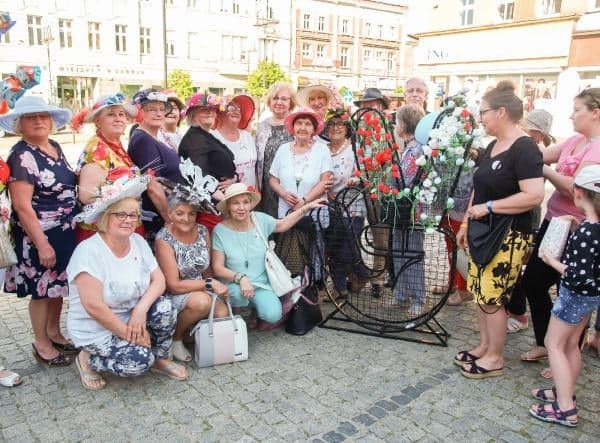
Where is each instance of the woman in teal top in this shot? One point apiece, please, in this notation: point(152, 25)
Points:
point(238, 252)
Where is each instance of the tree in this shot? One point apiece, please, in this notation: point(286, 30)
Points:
point(399, 90)
point(181, 82)
point(263, 77)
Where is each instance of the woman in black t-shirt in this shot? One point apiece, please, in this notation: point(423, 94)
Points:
point(508, 181)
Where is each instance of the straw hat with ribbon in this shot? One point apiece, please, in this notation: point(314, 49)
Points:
point(238, 189)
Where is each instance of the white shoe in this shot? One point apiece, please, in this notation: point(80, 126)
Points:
point(180, 352)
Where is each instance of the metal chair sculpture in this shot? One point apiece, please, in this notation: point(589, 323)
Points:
point(403, 240)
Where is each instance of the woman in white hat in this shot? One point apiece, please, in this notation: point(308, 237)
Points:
point(319, 98)
point(104, 157)
point(42, 191)
point(117, 312)
point(238, 252)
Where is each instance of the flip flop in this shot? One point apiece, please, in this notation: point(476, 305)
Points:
point(513, 325)
point(168, 371)
point(11, 380)
point(477, 372)
point(87, 375)
point(533, 356)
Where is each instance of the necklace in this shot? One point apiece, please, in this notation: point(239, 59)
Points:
point(299, 174)
point(240, 233)
point(336, 150)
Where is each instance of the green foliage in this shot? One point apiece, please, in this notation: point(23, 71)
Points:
point(263, 77)
point(181, 82)
point(399, 90)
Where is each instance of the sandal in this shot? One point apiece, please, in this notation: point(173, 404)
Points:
point(66, 348)
point(540, 394)
point(476, 372)
point(513, 325)
point(11, 379)
point(169, 370)
point(537, 353)
point(180, 352)
point(591, 345)
point(60, 360)
point(555, 415)
point(87, 376)
point(546, 373)
point(464, 357)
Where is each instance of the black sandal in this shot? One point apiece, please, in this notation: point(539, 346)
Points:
point(60, 360)
point(464, 357)
point(555, 415)
point(540, 394)
point(66, 348)
point(477, 372)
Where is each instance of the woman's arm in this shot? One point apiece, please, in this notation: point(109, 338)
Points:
point(562, 183)
point(165, 255)
point(159, 199)
point(91, 176)
point(319, 189)
point(531, 195)
point(21, 194)
point(289, 197)
point(220, 271)
point(295, 216)
point(551, 154)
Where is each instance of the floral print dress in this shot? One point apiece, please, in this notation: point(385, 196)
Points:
point(54, 203)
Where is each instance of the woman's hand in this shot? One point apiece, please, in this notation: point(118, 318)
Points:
point(225, 183)
point(220, 289)
point(291, 198)
point(573, 220)
point(47, 255)
point(246, 288)
point(461, 237)
point(478, 211)
point(136, 328)
point(329, 182)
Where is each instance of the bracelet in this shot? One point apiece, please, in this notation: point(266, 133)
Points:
point(208, 284)
point(488, 205)
point(464, 225)
point(238, 278)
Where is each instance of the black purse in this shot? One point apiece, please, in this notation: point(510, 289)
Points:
point(306, 313)
point(485, 236)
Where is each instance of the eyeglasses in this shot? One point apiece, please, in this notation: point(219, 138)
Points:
point(281, 99)
point(122, 216)
point(232, 109)
point(159, 110)
point(412, 90)
point(338, 124)
point(483, 111)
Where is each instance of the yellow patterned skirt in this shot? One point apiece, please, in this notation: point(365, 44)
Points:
point(493, 283)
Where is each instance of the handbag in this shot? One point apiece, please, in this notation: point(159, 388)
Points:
point(306, 313)
point(280, 278)
point(220, 340)
point(7, 252)
point(485, 236)
point(556, 236)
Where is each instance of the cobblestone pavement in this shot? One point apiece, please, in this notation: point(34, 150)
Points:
point(327, 386)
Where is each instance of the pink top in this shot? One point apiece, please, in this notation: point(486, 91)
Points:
point(567, 164)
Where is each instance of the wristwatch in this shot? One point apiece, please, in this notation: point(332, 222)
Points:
point(488, 205)
point(238, 277)
point(208, 284)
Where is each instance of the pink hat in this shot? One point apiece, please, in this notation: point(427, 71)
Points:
point(304, 112)
point(204, 100)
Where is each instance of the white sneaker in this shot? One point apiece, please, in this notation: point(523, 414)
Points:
point(180, 352)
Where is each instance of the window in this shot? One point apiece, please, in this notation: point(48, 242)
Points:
point(264, 9)
point(5, 38)
point(549, 7)
point(320, 53)
point(597, 4)
point(344, 62)
point(145, 41)
point(389, 64)
point(65, 35)
point(233, 48)
point(194, 45)
point(306, 22)
point(235, 7)
point(345, 26)
point(366, 56)
point(506, 9)
point(367, 29)
point(466, 13)
point(306, 50)
point(121, 38)
point(192, 3)
point(34, 28)
point(393, 33)
point(171, 48)
point(321, 25)
point(94, 36)
point(380, 31)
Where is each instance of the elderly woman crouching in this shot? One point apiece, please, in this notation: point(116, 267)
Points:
point(182, 251)
point(238, 255)
point(117, 314)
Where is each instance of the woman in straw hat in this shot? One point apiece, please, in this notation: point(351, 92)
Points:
point(42, 191)
point(238, 254)
point(117, 313)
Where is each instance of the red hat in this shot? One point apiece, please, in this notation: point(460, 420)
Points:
point(204, 100)
point(246, 105)
point(304, 112)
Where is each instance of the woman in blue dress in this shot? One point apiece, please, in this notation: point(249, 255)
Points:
point(42, 191)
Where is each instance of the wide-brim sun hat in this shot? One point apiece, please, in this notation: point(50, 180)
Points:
point(238, 189)
point(304, 93)
point(589, 178)
point(34, 105)
point(247, 107)
point(424, 127)
point(304, 112)
point(373, 94)
point(107, 101)
point(110, 193)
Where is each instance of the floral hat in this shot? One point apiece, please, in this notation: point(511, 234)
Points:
point(247, 107)
point(107, 101)
point(341, 113)
point(151, 95)
point(199, 189)
point(238, 189)
point(204, 100)
point(110, 193)
point(34, 105)
point(304, 112)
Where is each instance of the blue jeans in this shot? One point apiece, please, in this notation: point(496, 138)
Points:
point(572, 308)
point(126, 359)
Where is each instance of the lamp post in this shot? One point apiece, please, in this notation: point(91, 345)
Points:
point(47, 39)
point(164, 17)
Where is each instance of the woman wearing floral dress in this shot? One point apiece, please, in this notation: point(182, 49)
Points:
point(42, 191)
point(270, 135)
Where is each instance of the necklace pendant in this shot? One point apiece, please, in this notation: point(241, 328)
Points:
point(246, 264)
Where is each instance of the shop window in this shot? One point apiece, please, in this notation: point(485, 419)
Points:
point(34, 28)
point(94, 36)
point(145, 41)
point(121, 38)
point(466, 12)
point(506, 9)
point(550, 7)
point(65, 34)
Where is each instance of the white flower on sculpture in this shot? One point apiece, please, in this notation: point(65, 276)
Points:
point(421, 161)
point(459, 161)
point(437, 180)
point(427, 183)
